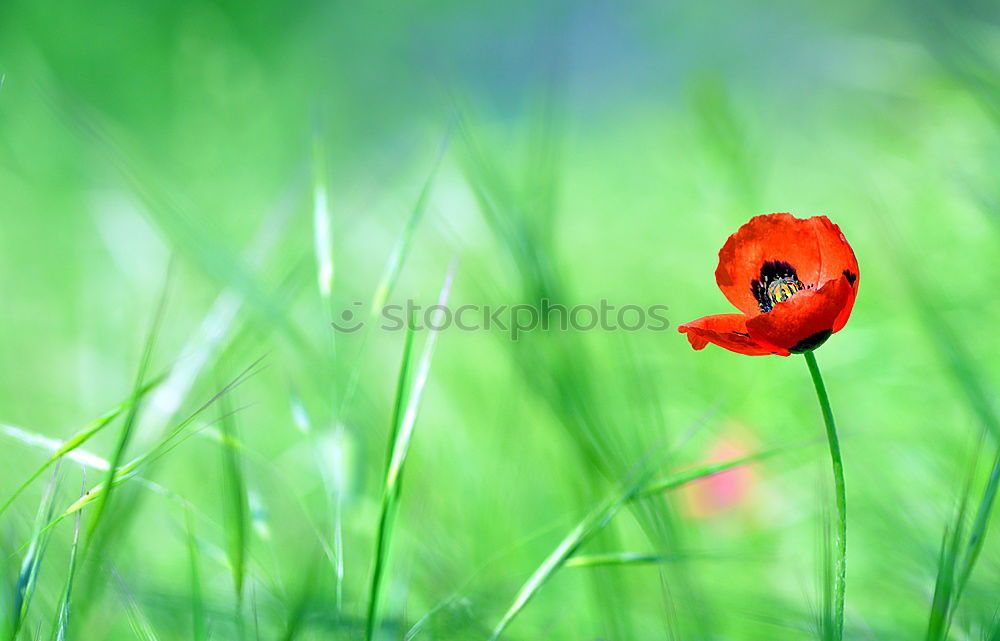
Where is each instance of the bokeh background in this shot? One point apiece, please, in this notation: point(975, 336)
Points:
point(267, 164)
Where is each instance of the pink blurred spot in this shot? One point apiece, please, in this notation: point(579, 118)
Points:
point(721, 492)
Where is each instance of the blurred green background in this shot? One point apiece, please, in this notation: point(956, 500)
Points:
point(570, 151)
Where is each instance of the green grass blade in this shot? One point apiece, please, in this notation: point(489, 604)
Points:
point(214, 329)
point(600, 517)
point(977, 535)
point(62, 623)
point(197, 601)
point(137, 620)
point(131, 418)
point(576, 538)
point(322, 223)
point(405, 410)
point(237, 504)
point(944, 587)
point(572, 542)
point(171, 440)
point(78, 455)
point(385, 514)
point(404, 434)
point(701, 471)
point(394, 267)
point(189, 231)
point(323, 247)
point(32, 562)
point(299, 610)
point(994, 631)
point(60, 450)
point(620, 558)
point(976, 390)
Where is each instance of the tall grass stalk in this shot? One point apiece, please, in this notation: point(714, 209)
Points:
point(322, 224)
point(62, 623)
point(125, 435)
point(404, 420)
point(236, 506)
point(394, 267)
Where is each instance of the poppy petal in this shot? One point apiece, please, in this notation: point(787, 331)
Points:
point(728, 331)
point(805, 320)
point(851, 274)
point(814, 247)
point(846, 312)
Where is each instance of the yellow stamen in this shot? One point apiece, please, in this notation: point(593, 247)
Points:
point(782, 289)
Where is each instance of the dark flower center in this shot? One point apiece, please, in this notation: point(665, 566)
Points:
point(778, 282)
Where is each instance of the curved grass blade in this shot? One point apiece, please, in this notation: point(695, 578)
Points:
point(65, 448)
point(84, 458)
point(708, 469)
point(600, 517)
point(171, 440)
point(404, 419)
point(587, 528)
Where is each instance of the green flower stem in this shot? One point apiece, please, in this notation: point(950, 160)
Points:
point(840, 574)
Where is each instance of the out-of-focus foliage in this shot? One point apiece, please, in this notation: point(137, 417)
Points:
point(565, 151)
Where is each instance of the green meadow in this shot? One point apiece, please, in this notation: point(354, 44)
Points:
point(223, 415)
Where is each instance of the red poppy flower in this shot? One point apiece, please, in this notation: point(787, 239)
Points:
point(794, 280)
